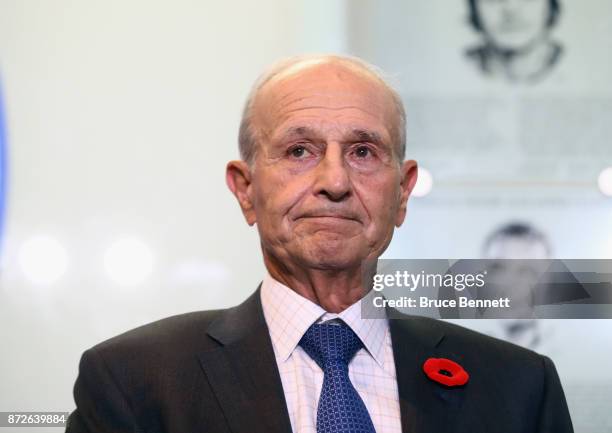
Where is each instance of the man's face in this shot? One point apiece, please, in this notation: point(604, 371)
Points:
point(327, 186)
point(517, 267)
point(514, 25)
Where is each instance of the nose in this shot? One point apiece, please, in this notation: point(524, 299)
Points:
point(332, 178)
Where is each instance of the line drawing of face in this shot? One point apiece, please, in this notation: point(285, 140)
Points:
point(514, 25)
point(518, 255)
point(327, 185)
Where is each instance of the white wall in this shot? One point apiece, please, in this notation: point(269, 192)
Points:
point(121, 116)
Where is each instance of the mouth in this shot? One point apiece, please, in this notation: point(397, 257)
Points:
point(330, 217)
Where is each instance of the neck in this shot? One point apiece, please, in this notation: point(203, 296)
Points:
point(333, 289)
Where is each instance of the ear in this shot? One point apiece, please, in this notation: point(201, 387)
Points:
point(238, 178)
point(409, 172)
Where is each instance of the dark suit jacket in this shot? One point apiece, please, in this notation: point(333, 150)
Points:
point(215, 371)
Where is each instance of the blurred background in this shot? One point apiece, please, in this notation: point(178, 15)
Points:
point(117, 119)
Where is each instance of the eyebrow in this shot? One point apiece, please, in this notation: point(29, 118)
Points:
point(297, 131)
point(367, 136)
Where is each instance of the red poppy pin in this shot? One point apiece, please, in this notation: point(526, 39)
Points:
point(445, 371)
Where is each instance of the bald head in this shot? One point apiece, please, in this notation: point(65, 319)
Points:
point(327, 70)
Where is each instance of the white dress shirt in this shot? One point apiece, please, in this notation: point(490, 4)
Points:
point(372, 370)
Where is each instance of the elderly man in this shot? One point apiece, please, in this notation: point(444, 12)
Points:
point(324, 178)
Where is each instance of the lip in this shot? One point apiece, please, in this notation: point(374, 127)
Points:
point(327, 216)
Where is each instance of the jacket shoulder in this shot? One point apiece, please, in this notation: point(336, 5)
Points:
point(171, 335)
point(461, 338)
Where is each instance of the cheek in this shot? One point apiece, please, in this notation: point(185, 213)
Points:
point(277, 195)
point(381, 199)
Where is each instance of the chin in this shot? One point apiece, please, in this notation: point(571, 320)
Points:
point(334, 255)
point(332, 263)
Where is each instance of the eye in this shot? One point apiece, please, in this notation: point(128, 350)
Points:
point(363, 151)
point(298, 152)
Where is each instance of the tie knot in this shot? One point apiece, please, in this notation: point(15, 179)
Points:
point(330, 342)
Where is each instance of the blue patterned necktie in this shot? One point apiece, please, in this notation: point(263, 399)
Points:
point(340, 410)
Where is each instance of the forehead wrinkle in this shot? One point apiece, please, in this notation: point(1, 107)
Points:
point(376, 94)
point(340, 108)
point(372, 109)
point(357, 129)
point(310, 92)
point(349, 133)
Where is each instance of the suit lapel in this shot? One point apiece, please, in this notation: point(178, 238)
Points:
point(243, 372)
point(244, 376)
point(425, 406)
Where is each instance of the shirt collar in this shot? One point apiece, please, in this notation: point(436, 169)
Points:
point(289, 315)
